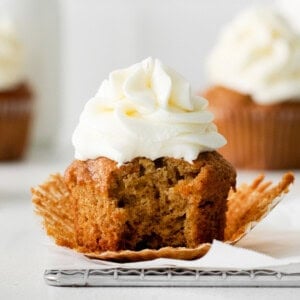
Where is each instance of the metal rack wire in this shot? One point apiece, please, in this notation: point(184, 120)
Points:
point(171, 277)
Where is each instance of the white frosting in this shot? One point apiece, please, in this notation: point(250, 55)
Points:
point(145, 110)
point(11, 56)
point(258, 54)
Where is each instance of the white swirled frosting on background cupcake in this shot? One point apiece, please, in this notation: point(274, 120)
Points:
point(11, 56)
point(258, 53)
point(146, 110)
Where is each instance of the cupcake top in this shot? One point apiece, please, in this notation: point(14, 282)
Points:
point(145, 110)
point(11, 56)
point(258, 54)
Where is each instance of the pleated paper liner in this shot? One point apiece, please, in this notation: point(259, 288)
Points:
point(246, 208)
point(260, 137)
point(15, 121)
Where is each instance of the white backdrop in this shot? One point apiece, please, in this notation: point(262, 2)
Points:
point(37, 24)
point(73, 45)
point(100, 36)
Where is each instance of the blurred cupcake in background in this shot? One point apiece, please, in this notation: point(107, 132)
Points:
point(254, 72)
point(15, 95)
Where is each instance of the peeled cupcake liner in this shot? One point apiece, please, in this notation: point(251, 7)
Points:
point(247, 206)
point(260, 138)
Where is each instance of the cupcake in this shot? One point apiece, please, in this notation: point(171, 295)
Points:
point(147, 181)
point(15, 95)
point(146, 172)
point(254, 93)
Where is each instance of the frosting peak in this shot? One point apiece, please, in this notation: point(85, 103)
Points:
point(258, 53)
point(11, 56)
point(145, 110)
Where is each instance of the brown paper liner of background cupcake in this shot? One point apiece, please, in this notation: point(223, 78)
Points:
point(247, 206)
point(260, 137)
point(15, 121)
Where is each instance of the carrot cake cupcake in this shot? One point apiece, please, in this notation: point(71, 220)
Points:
point(147, 181)
point(146, 173)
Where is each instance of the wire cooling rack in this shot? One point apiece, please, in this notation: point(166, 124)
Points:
point(171, 277)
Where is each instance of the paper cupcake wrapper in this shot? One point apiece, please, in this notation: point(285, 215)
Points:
point(15, 118)
point(247, 206)
point(15, 107)
point(260, 138)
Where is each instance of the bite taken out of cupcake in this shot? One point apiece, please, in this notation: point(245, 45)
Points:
point(15, 94)
point(254, 93)
point(145, 152)
point(147, 181)
point(146, 173)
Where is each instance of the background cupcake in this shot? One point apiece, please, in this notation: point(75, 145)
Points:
point(15, 95)
point(254, 71)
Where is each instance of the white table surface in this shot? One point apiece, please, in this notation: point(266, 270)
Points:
point(23, 256)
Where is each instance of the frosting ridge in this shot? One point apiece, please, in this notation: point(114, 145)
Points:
point(11, 56)
point(258, 53)
point(145, 110)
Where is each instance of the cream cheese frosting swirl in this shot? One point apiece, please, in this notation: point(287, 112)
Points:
point(11, 56)
point(258, 53)
point(145, 110)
